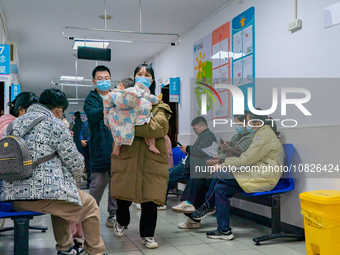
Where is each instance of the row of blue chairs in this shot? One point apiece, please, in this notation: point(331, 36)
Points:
point(268, 198)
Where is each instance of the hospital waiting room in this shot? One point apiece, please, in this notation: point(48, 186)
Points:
point(169, 127)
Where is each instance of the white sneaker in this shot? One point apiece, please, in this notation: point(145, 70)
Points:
point(118, 229)
point(189, 223)
point(138, 206)
point(110, 221)
point(162, 207)
point(184, 207)
point(149, 242)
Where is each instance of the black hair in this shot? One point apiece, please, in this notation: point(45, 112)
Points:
point(77, 114)
point(23, 100)
point(127, 83)
point(266, 121)
point(54, 98)
point(241, 117)
point(199, 120)
point(151, 72)
point(100, 69)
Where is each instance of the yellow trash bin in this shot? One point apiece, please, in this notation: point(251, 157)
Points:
point(321, 210)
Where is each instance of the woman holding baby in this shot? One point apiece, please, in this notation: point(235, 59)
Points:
point(138, 174)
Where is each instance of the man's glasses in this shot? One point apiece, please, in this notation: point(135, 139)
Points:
point(195, 128)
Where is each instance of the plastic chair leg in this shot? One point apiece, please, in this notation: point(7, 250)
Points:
point(42, 228)
point(276, 223)
point(258, 240)
point(21, 236)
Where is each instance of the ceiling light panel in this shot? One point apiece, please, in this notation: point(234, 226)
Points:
point(91, 43)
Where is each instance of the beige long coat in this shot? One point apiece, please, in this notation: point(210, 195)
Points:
point(261, 162)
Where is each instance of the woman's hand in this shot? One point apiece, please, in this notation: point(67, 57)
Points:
point(224, 147)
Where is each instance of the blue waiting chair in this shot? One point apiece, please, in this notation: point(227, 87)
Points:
point(21, 226)
point(272, 198)
point(177, 155)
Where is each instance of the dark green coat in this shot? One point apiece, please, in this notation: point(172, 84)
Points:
point(101, 137)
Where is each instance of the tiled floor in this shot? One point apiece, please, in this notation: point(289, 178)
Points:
point(171, 239)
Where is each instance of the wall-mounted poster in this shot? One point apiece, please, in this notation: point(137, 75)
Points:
point(243, 31)
point(225, 56)
point(202, 75)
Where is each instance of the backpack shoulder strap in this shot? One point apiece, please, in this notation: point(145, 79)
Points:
point(9, 128)
point(44, 159)
point(34, 123)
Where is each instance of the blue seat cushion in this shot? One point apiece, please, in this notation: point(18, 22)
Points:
point(7, 211)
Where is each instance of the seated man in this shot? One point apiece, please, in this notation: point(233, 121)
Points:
point(264, 151)
point(238, 144)
point(196, 157)
point(52, 189)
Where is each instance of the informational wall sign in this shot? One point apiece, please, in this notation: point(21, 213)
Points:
point(225, 56)
point(243, 32)
point(4, 60)
point(174, 90)
point(15, 90)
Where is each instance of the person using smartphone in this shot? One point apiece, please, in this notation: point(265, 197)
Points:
point(196, 157)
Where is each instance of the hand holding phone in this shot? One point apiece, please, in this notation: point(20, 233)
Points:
point(179, 144)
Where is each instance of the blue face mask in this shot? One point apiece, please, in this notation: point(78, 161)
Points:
point(144, 80)
point(239, 129)
point(103, 85)
point(252, 131)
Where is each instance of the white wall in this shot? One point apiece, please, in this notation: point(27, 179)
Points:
point(312, 52)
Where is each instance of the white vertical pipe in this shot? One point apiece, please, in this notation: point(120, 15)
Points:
point(140, 16)
point(105, 25)
point(296, 11)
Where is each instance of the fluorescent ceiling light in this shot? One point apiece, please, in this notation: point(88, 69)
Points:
point(71, 78)
point(76, 85)
point(90, 43)
point(73, 102)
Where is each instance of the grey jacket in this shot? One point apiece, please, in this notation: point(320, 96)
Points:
point(53, 179)
point(196, 156)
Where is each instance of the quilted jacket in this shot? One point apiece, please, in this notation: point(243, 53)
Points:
point(53, 179)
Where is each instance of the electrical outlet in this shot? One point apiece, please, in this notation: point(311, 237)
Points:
point(296, 24)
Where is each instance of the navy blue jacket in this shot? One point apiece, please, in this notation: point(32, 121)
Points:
point(101, 137)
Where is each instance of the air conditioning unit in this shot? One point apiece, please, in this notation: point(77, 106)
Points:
point(13, 52)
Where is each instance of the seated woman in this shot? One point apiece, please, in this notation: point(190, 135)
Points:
point(264, 151)
point(17, 108)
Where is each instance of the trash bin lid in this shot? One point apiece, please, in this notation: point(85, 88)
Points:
point(322, 196)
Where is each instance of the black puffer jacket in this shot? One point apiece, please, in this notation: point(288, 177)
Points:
point(101, 137)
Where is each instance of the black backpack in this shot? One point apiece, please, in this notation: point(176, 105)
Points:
point(15, 161)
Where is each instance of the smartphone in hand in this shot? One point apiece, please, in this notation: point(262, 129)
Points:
point(179, 144)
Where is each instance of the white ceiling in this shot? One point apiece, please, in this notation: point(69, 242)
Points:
point(36, 26)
